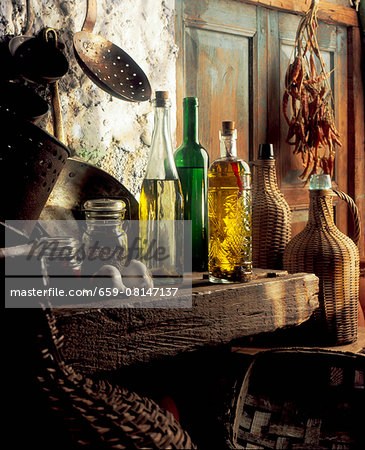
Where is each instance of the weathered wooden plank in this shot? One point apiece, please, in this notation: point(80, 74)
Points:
point(273, 84)
point(328, 12)
point(356, 135)
point(259, 82)
point(107, 339)
point(354, 347)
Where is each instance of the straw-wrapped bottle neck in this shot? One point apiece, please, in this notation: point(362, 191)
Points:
point(321, 208)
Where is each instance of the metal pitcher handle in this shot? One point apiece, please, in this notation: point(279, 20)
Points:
point(355, 214)
point(56, 105)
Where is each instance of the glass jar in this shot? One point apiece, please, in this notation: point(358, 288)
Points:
point(104, 240)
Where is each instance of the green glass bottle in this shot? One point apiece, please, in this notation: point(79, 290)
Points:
point(192, 162)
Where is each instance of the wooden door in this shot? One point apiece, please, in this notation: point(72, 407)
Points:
point(233, 57)
point(216, 40)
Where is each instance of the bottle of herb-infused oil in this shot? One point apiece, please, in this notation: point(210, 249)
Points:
point(229, 213)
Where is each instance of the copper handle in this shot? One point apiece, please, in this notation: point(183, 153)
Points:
point(90, 19)
point(30, 18)
point(354, 212)
point(56, 105)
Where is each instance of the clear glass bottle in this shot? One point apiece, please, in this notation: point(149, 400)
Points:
point(104, 240)
point(192, 163)
point(161, 204)
point(229, 213)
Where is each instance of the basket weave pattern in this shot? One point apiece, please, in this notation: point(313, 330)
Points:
point(323, 250)
point(311, 400)
point(98, 414)
point(270, 218)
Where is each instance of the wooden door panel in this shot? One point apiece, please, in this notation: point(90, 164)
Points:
point(217, 69)
point(216, 66)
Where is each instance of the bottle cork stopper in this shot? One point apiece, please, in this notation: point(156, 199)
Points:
point(161, 98)
point(162, 95)
point(228, 127)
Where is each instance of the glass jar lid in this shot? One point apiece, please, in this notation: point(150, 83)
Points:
point(104, 208)
point(104, 204)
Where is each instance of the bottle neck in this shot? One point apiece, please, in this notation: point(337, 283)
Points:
point(228, 146)
point(190, 123)
point(265, 176)
point(321, 208)
point(162, 122)
point(161, 165)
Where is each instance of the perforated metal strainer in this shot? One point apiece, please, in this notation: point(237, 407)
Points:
point(107, 65)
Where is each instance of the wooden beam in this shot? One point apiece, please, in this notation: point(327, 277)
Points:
point(356, 128)
point(355, 347)
point(110, 338)
point(328, 12)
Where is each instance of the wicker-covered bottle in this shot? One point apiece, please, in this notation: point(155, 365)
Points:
point(323, 250)
point(270, 213)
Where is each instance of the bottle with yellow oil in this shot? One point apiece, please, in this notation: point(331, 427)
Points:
point(161, 204)
point(229, 213)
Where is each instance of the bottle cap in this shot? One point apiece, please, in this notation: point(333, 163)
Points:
point(161, 97)
point(266, 151)
point(228, 128)
point(320, 181)
point(104, 204)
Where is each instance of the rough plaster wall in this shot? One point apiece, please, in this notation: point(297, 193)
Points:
point(111, 133)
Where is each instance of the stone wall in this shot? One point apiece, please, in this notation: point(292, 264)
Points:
point(111, 133)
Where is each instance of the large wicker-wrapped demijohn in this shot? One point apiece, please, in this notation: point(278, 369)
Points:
point(270, 213)
point(323, 250)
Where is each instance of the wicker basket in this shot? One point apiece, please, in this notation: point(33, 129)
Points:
point(299, 399)
point(95, 413)
point(323, 250)
point(270, 218)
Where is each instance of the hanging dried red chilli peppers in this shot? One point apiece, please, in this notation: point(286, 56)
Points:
point(312, 129)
